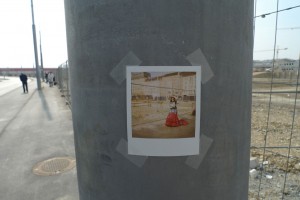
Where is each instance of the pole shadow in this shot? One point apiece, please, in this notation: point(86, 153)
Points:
point(45, 104)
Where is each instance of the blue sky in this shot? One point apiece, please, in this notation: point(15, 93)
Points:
point(286, 37)
point(16, 47)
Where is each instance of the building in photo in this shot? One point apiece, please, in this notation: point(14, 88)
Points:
point(161, 86)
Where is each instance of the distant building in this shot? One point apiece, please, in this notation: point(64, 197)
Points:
point(28, 71)
point(287, 65)
point(280, 65)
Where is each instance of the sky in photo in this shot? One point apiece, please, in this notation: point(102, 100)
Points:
point(16, 39)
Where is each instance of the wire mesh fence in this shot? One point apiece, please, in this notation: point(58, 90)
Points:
point(63, 80)
point(275, 138)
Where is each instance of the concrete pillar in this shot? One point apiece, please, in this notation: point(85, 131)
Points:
point(101, 35)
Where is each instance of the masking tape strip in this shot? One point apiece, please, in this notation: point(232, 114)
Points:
point(119, 72)
point(196, 160)
point(197, 58)
point(122, 148)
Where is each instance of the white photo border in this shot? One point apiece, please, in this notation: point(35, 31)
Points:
point(163, 146)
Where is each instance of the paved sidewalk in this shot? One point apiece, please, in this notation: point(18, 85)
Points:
point(34, 127)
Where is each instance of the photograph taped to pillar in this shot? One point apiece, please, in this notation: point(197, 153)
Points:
point(163, 110)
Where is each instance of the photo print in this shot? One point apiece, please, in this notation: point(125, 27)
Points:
point(163, 110)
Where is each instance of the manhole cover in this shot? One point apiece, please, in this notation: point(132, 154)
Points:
point(54, 166)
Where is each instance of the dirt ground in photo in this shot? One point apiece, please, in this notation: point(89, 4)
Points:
point(148, 120)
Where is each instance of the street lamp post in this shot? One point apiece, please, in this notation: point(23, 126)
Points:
point(277, 52)
point(35, 50)
point(42, 66)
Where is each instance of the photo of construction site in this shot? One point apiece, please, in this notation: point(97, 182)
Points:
point(163, 104)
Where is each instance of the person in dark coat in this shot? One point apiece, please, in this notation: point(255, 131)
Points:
point(46, 77)
point(23, 78)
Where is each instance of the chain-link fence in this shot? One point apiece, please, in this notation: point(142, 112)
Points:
point(275, 138)
point(63, 81)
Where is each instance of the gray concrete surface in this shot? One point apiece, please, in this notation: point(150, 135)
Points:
point(34, 127)
point(105, 36)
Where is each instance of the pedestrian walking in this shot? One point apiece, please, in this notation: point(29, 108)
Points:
point(50, 78)
point(46, 77)
point(23, 78)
